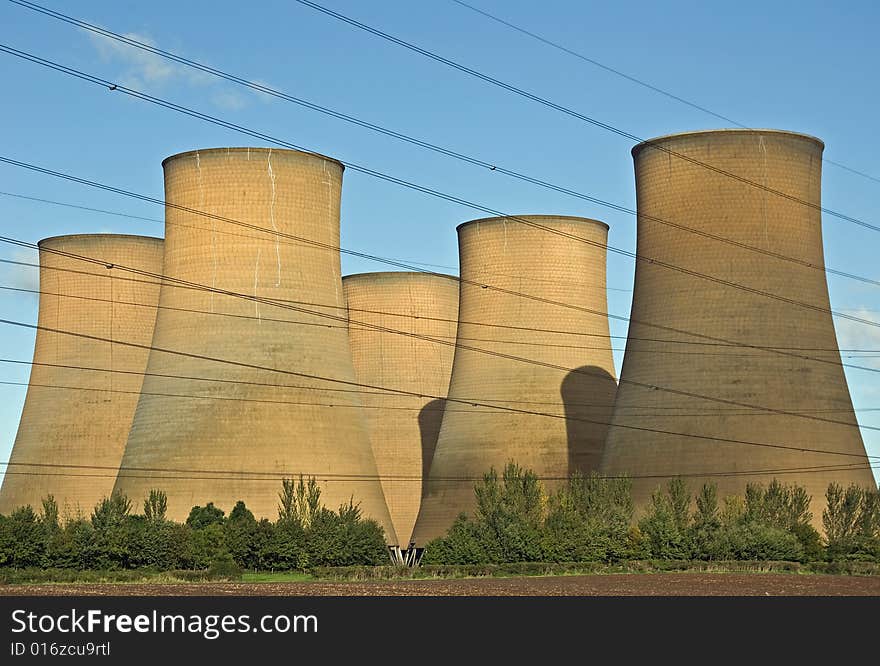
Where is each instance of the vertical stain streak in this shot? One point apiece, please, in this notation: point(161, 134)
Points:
point(213, 230)
point(272, 220)
point(337, 279)
point(763, 147)
point(256, 286)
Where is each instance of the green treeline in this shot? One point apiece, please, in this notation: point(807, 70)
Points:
point(306, 534)
point(591, 519)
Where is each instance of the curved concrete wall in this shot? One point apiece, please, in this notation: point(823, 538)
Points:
point(253, 427)
point(512, 256)
point(671, 188)
point(77, 421)
point(403, 428)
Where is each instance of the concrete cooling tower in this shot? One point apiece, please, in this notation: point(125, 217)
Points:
point(800, 375)
point(561, 367)
point(261, 399)
point(75, 420)
point(403, 428)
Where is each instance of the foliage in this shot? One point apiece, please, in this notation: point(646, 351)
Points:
point(300, 502)
point(201, 517)
point(155, 506)
point(666, 526)
point(114, 539)
point(852, 522)
point(588, 520)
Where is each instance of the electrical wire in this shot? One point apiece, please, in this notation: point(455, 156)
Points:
point(617, 72)
point(651, 144)
point(448, 399)
point(528, 222)
point(868, 354)
point(580, 371)
point(761, 346)
point(271, 475)
point(419, 142)
point(568, 405)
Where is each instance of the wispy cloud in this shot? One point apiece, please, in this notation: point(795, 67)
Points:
point(139, 68)
point(229, 100)
point(142, 70)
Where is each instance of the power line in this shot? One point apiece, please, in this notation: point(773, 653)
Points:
point(629, 77)
point(276, 234)
point(447, 399)
point(757, 346)
point(86, 208)
point(321, 314)
point(575, 114)
point(269, 475)
point(456, 345)
point(377, 394)
point(419, 142)
point(869, 354)
point(531, 223)
point(183, 226)
point(283, 242)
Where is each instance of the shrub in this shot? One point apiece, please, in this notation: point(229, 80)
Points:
point(463, 544)
point(665, 527)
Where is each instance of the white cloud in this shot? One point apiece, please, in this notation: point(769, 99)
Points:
point(229, 100)
point(145, 71)
point(263, 97)
point(140, 67)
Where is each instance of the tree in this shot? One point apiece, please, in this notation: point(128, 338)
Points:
point(300, 502)
point(111, 511)
point(49, 516)
point(588, 519)
point(510, 513)
point(241, 536)
point(155, 506)
point(111, 543)
point(666, 526)
point(852, 522)
point(201, 517)
point(784, 508)
point(22, 539)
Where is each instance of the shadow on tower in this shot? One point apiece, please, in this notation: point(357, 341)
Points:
point(588, 396)
point(430, 418)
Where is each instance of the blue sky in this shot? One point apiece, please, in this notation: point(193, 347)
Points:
point(811, 69)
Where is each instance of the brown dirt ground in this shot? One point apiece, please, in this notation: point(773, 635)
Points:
point(667, 584)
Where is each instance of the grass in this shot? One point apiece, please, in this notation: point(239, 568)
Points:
point(436, 572)
point(276, 577)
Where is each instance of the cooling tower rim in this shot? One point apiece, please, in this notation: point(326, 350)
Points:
point(516, 218)
point(729, 130)
point(389, 275)
point(250, 149)
point(63, 237)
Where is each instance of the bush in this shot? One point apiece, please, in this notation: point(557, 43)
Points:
point(464, 543)
point(344, 538)
point(852, 523)
point(666, 527)
point(224, 566)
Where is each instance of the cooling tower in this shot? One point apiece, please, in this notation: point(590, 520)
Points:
point(264, 395)
point(520, 350)
point(75, 421)
point(403, 428)
point(802, 375)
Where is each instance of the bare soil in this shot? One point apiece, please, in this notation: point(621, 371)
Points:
point(664, 584)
